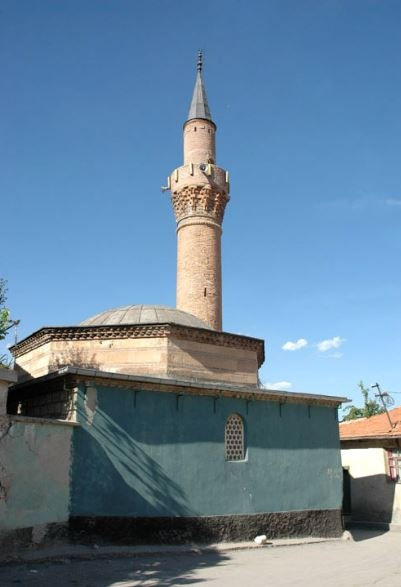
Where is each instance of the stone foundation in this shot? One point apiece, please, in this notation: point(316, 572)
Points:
point(208, 529)
point(12, 541)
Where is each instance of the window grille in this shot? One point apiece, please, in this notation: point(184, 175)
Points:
point(234, 438)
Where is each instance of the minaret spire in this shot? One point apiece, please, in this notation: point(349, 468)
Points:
point(199, 105)
point(199, 193)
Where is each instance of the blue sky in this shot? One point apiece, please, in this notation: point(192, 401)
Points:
point(306, 95)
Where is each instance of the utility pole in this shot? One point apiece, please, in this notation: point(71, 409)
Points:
point(383, 395)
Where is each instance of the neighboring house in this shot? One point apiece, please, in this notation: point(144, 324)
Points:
point(371, 459)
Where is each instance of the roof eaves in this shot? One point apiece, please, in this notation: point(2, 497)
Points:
point(396, 434)
point(213, 387)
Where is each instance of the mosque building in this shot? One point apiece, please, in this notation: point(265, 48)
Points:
point(154, 417)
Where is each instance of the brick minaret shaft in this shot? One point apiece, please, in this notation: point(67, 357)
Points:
point(199, 192)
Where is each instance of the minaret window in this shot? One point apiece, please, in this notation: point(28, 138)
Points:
point(234, 438)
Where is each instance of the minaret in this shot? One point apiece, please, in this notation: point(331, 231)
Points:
point(199, 192)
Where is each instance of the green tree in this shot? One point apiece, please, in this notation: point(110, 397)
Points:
point(4, 312)
point(370, 406)
point(5, 322)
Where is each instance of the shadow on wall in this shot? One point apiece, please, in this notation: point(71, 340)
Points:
point(113, 476)
point(22, 374)
point(73, 357)
point(372, 499)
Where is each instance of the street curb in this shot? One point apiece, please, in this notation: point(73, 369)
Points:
point(65, 554)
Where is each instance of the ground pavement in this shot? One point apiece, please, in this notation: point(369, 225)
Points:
point(371, 558)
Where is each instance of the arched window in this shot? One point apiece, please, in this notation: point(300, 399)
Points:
point(234, 438)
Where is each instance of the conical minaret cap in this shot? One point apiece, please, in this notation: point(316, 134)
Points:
point(199, 106)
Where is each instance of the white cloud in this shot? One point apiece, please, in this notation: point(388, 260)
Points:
point(295, 346)
point(358, 203)
point(362, 202)
point(330, 343)
point(393, 202)
point(279, 385)
point(333, 355)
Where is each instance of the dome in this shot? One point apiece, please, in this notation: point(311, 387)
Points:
point(142, 314)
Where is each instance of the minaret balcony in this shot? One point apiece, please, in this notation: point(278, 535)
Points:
point(199, 174)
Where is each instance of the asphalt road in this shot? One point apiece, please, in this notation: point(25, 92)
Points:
point(371, 559)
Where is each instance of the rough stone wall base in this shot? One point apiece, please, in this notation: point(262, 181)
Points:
point(208, 529)
point(34, 536)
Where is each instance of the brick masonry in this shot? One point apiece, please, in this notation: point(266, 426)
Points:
point(199, 192)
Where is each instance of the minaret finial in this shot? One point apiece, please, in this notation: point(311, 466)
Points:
point(199, 66)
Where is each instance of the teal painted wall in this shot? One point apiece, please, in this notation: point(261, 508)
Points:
point(35, 460)
point(149, 454)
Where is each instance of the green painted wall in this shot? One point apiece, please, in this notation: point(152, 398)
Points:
point(35, 472)
point(149, 454)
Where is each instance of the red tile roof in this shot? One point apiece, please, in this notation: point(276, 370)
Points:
point(375, 426)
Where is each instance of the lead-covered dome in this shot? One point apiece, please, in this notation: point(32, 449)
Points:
point(144, 314)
